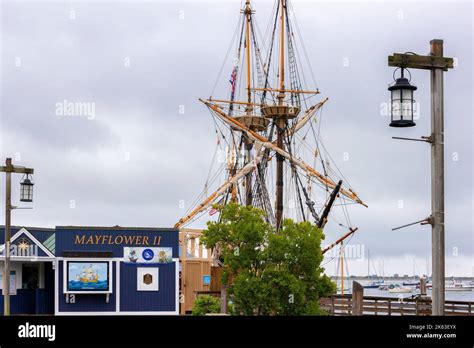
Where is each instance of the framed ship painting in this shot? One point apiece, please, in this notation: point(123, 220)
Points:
point(88, 276)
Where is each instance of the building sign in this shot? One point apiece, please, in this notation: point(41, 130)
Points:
point(110, 239)
point(87, 276)
point(147, 279)
point(147, 255)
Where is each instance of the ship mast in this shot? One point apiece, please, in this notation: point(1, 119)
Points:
point(281, 121)
point(248, 13)
point(249, 108)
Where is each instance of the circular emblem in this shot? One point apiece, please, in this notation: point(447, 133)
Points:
point(148, 254)
point(23, 244)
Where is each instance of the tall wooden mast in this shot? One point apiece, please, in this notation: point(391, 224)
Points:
point(281, 121)
point(248, 13)
point(249, 108)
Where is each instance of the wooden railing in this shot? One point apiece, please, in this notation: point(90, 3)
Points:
point(374, 305)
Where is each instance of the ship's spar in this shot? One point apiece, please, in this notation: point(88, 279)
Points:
point(280, 102)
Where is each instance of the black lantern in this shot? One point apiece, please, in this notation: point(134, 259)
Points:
point(26, 191)
point(402, 102)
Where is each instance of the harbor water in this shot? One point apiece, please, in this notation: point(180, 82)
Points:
point(456, 295)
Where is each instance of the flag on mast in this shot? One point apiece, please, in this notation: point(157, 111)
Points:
point(213, 210)
point(233, 81)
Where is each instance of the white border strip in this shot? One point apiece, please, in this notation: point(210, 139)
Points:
point(92, 260)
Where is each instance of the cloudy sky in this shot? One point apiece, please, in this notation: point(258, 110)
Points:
point(146, 143)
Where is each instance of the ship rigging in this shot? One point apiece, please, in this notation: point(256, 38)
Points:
point(268, 131)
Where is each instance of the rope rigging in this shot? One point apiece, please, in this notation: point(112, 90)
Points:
point(251, 165)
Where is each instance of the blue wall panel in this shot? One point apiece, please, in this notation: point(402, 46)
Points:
point(132, 300)
point(22, 303)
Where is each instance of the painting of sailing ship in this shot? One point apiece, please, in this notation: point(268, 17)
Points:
point(87, 276)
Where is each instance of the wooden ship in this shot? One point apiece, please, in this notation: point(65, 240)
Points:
point(268, 133)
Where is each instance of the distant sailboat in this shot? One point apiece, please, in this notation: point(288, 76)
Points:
point(413, 282)
point(376, 283)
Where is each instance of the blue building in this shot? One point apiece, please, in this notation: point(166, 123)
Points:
point(32, 265)
point(73, 270)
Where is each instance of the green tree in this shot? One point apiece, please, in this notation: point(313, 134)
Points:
point(269, 272)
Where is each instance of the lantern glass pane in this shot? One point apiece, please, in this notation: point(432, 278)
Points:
point(407, 110)
point(396, 94)
point(396, 112)
point(407, 94)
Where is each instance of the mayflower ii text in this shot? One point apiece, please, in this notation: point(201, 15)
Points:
point(119, 240)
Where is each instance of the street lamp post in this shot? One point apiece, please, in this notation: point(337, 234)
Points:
point(437, 64)
point(26, 196)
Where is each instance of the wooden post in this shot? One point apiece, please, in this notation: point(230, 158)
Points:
point(437, 180)
point(184, 249)
point(8, 169)
point(357, 298)
point(193, 246)
point(423, 286)
point(6, 266)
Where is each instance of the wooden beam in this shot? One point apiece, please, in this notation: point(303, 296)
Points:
point(286, 90)
point(420, 62)
point(232, 102)
point(15, 169)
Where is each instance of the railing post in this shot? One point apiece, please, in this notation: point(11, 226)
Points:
point(389, 307)
point(423, 286)
point(357, 299)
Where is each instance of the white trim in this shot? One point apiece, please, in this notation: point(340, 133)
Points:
point(117, 313)
point(27, 258)
point(176, 306)
point(29, 235)
point(117, 287)
point(56, 287)
point(82, 259)
point(60, 258)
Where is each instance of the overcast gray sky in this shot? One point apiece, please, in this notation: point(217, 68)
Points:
point(138, 156)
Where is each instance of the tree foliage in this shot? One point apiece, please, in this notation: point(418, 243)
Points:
point(206, 304)
point(269, 272)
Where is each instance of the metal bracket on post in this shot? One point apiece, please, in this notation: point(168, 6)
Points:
point(429, 221)
point(423, 138)
point(425, 221)
point(429, 139)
